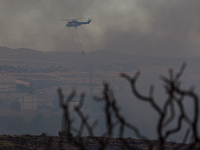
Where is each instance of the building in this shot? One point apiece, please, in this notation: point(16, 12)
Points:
point(28, 102)
point(8, 84)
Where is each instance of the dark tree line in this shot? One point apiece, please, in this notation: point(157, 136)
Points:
point(115, 121)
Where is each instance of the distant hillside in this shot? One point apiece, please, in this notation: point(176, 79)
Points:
point(100, 59)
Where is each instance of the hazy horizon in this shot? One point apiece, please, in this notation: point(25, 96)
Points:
point(155, 28)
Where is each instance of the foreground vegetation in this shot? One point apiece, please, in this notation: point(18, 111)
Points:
point(173, 111)
point(28, 142)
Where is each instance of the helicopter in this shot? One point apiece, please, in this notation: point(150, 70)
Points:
point(74, 23)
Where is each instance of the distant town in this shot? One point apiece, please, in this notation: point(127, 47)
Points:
point(29, 81)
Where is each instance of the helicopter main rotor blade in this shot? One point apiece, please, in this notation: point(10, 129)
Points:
point(72, 19)
point(66, 19)
point(79, 18)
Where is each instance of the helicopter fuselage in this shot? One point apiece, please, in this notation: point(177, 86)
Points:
point(76, 23)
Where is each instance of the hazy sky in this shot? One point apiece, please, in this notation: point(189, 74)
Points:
point(150, 27)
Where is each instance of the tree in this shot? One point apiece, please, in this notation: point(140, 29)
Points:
point(115, 121)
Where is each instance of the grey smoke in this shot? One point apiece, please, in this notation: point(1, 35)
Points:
point(153, 27)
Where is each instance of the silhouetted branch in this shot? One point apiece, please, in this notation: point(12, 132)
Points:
point(112, 111)
point(172, 87)
point(66, 120)
point(149, 98)
point(114, 120)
